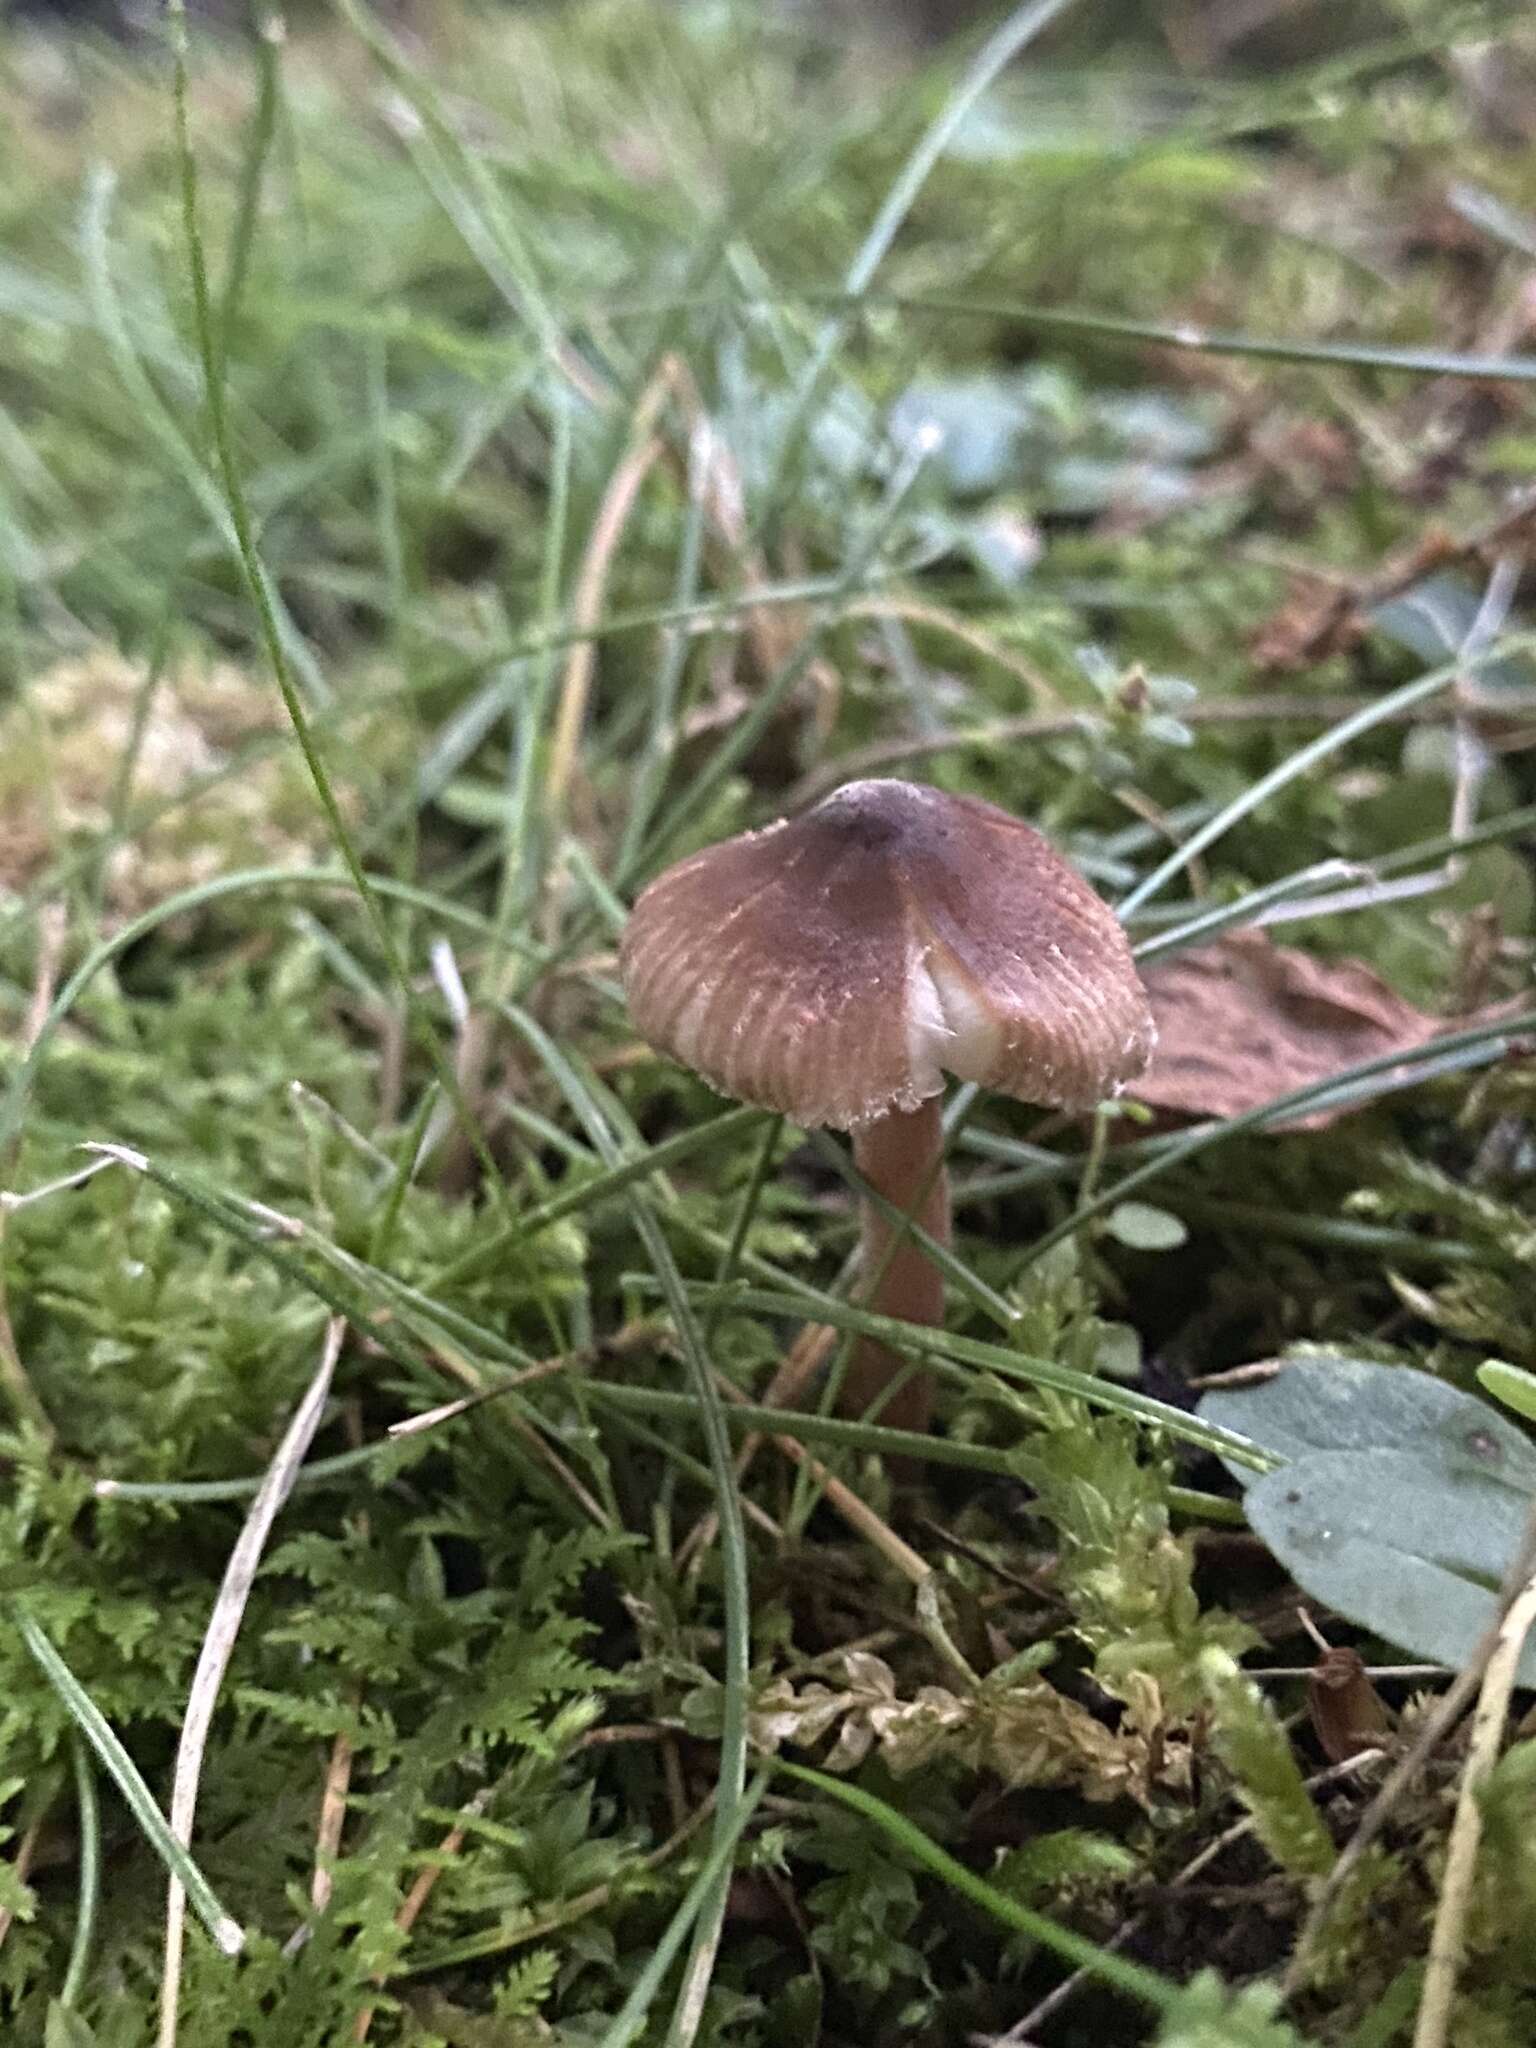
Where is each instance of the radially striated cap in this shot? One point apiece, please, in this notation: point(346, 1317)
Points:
point(835, 964)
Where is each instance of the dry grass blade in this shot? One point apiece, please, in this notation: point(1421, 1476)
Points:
point(1447, 1946)
point(219, 1643)
point(1438, 1725)
point(618, 502)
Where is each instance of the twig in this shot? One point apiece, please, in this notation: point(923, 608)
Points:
point(218, 1645)
point(1447, 1944)
point(1438, 1725)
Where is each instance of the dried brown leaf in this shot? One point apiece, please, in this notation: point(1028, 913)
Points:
point(1244, 1020)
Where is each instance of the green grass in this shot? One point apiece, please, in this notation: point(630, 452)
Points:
point(441, 481)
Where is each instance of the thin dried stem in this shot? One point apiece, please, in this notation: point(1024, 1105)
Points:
point(218, 1646)
point(1456, 1698)
point(1447, 1945)
point(613, 513)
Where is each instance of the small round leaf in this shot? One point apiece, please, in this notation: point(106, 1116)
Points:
point(1144, 1228)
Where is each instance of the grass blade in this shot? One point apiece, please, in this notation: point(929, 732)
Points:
point(88, 1819)
point(632, 2014)
point(1306, 758)
point(733, 1540)
point(227, 1933)
point(999, 50)
point(1128, 1978)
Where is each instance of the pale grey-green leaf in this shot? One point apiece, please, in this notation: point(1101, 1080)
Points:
point(1329, 1402)
point(1145, 1228)
point(1411, 1548)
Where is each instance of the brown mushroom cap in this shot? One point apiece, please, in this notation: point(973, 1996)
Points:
point(831, 965)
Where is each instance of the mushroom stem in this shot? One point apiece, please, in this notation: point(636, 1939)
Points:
point(901, 1155)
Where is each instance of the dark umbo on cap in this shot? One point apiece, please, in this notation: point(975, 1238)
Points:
point(835, 964)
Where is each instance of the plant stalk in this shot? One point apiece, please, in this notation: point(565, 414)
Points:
point(901, 1155)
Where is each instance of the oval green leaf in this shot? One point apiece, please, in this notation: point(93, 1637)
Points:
point(1145, 1228)
point(1328, 1402)
point(1413, 1550)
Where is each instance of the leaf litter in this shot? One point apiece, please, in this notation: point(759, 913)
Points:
point(1244, 1020)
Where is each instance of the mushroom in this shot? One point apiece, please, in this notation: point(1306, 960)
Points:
point(833, 965)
